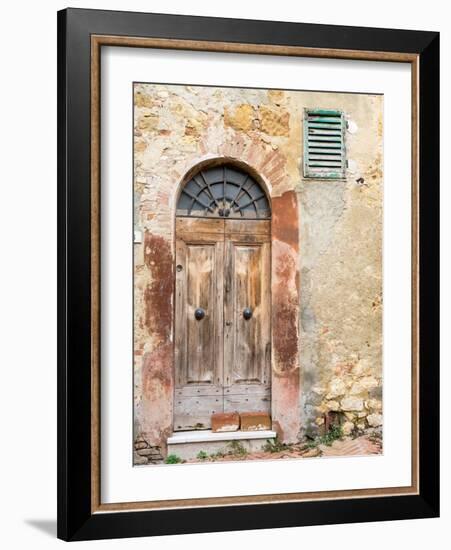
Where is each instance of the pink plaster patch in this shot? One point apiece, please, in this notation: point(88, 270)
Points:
point(157, 395)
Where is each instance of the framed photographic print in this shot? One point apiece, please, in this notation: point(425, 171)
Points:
point(248, 274)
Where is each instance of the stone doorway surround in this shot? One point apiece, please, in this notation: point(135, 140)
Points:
point(157, 400)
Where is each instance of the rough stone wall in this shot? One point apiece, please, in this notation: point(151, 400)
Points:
point(341, 277)
point(326, 248)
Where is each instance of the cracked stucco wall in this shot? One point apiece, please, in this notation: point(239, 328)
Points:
point(341, 277)
point(329, 232)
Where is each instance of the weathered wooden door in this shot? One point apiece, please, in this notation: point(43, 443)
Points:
point(222, 319)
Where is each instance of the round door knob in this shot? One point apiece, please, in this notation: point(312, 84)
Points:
point(199, 314)
point(247, 313)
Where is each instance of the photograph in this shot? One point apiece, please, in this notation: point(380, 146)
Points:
point(258, 274)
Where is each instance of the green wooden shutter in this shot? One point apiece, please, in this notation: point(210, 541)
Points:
point(324, 147)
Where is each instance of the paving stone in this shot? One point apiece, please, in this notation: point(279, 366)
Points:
point(351, 447)
point(311, 453)
point(360, 446)
point(141, 445)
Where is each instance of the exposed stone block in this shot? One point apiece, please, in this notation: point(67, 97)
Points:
point(253, 421)
point(274, 121)
point(139, 445)
point(225, 422)
point(139, 460)
point(374, 420)
point(369, 382)
point(151, 451)
point(276, 96)
point(148, 122)
point(333, 406)
point(347, 427)
point(143, 100)
point(241, 118)
point(374, 405)
point(352, 404)
point(336, 388)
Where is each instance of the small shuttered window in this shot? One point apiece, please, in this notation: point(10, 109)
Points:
point(324, 147)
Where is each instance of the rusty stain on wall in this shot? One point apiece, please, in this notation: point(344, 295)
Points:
point(285, 314)
point(285, 404)
point(285, 219)
point(158, 292)
point(285, 282)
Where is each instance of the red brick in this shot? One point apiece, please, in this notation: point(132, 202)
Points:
point(225, 422)
point(253, 421)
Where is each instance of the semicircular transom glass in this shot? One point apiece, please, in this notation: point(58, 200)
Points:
point(223, 192)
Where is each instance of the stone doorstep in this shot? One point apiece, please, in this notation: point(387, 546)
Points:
point(187, 445)
point(198, 436)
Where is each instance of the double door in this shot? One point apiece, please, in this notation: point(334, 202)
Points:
point(222, 319)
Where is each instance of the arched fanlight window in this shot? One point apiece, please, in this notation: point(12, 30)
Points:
point(223, 191)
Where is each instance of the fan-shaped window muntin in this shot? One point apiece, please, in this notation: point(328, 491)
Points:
point(223, 191)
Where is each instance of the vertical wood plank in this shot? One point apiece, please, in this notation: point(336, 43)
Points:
point(219, 314)
point(247, 347)
point(198, 342)
point(200, 294)
point(180, 340)
point(229, 293)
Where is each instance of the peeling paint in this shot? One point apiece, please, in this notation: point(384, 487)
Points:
point(157, 394)
point(285, 282)
point(158, 292)
point(286, 406)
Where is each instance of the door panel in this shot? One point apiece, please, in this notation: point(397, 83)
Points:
point(247, 293)
point(198, 341)
point(222, 360)
point(194, 413)
point(247, 341)
point(248, 230)
point(201, 274)
point(247, 398)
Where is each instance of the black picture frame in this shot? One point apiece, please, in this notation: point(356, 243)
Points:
point(76, 520)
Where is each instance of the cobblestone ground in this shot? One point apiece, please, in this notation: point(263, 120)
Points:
point(359, 446)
